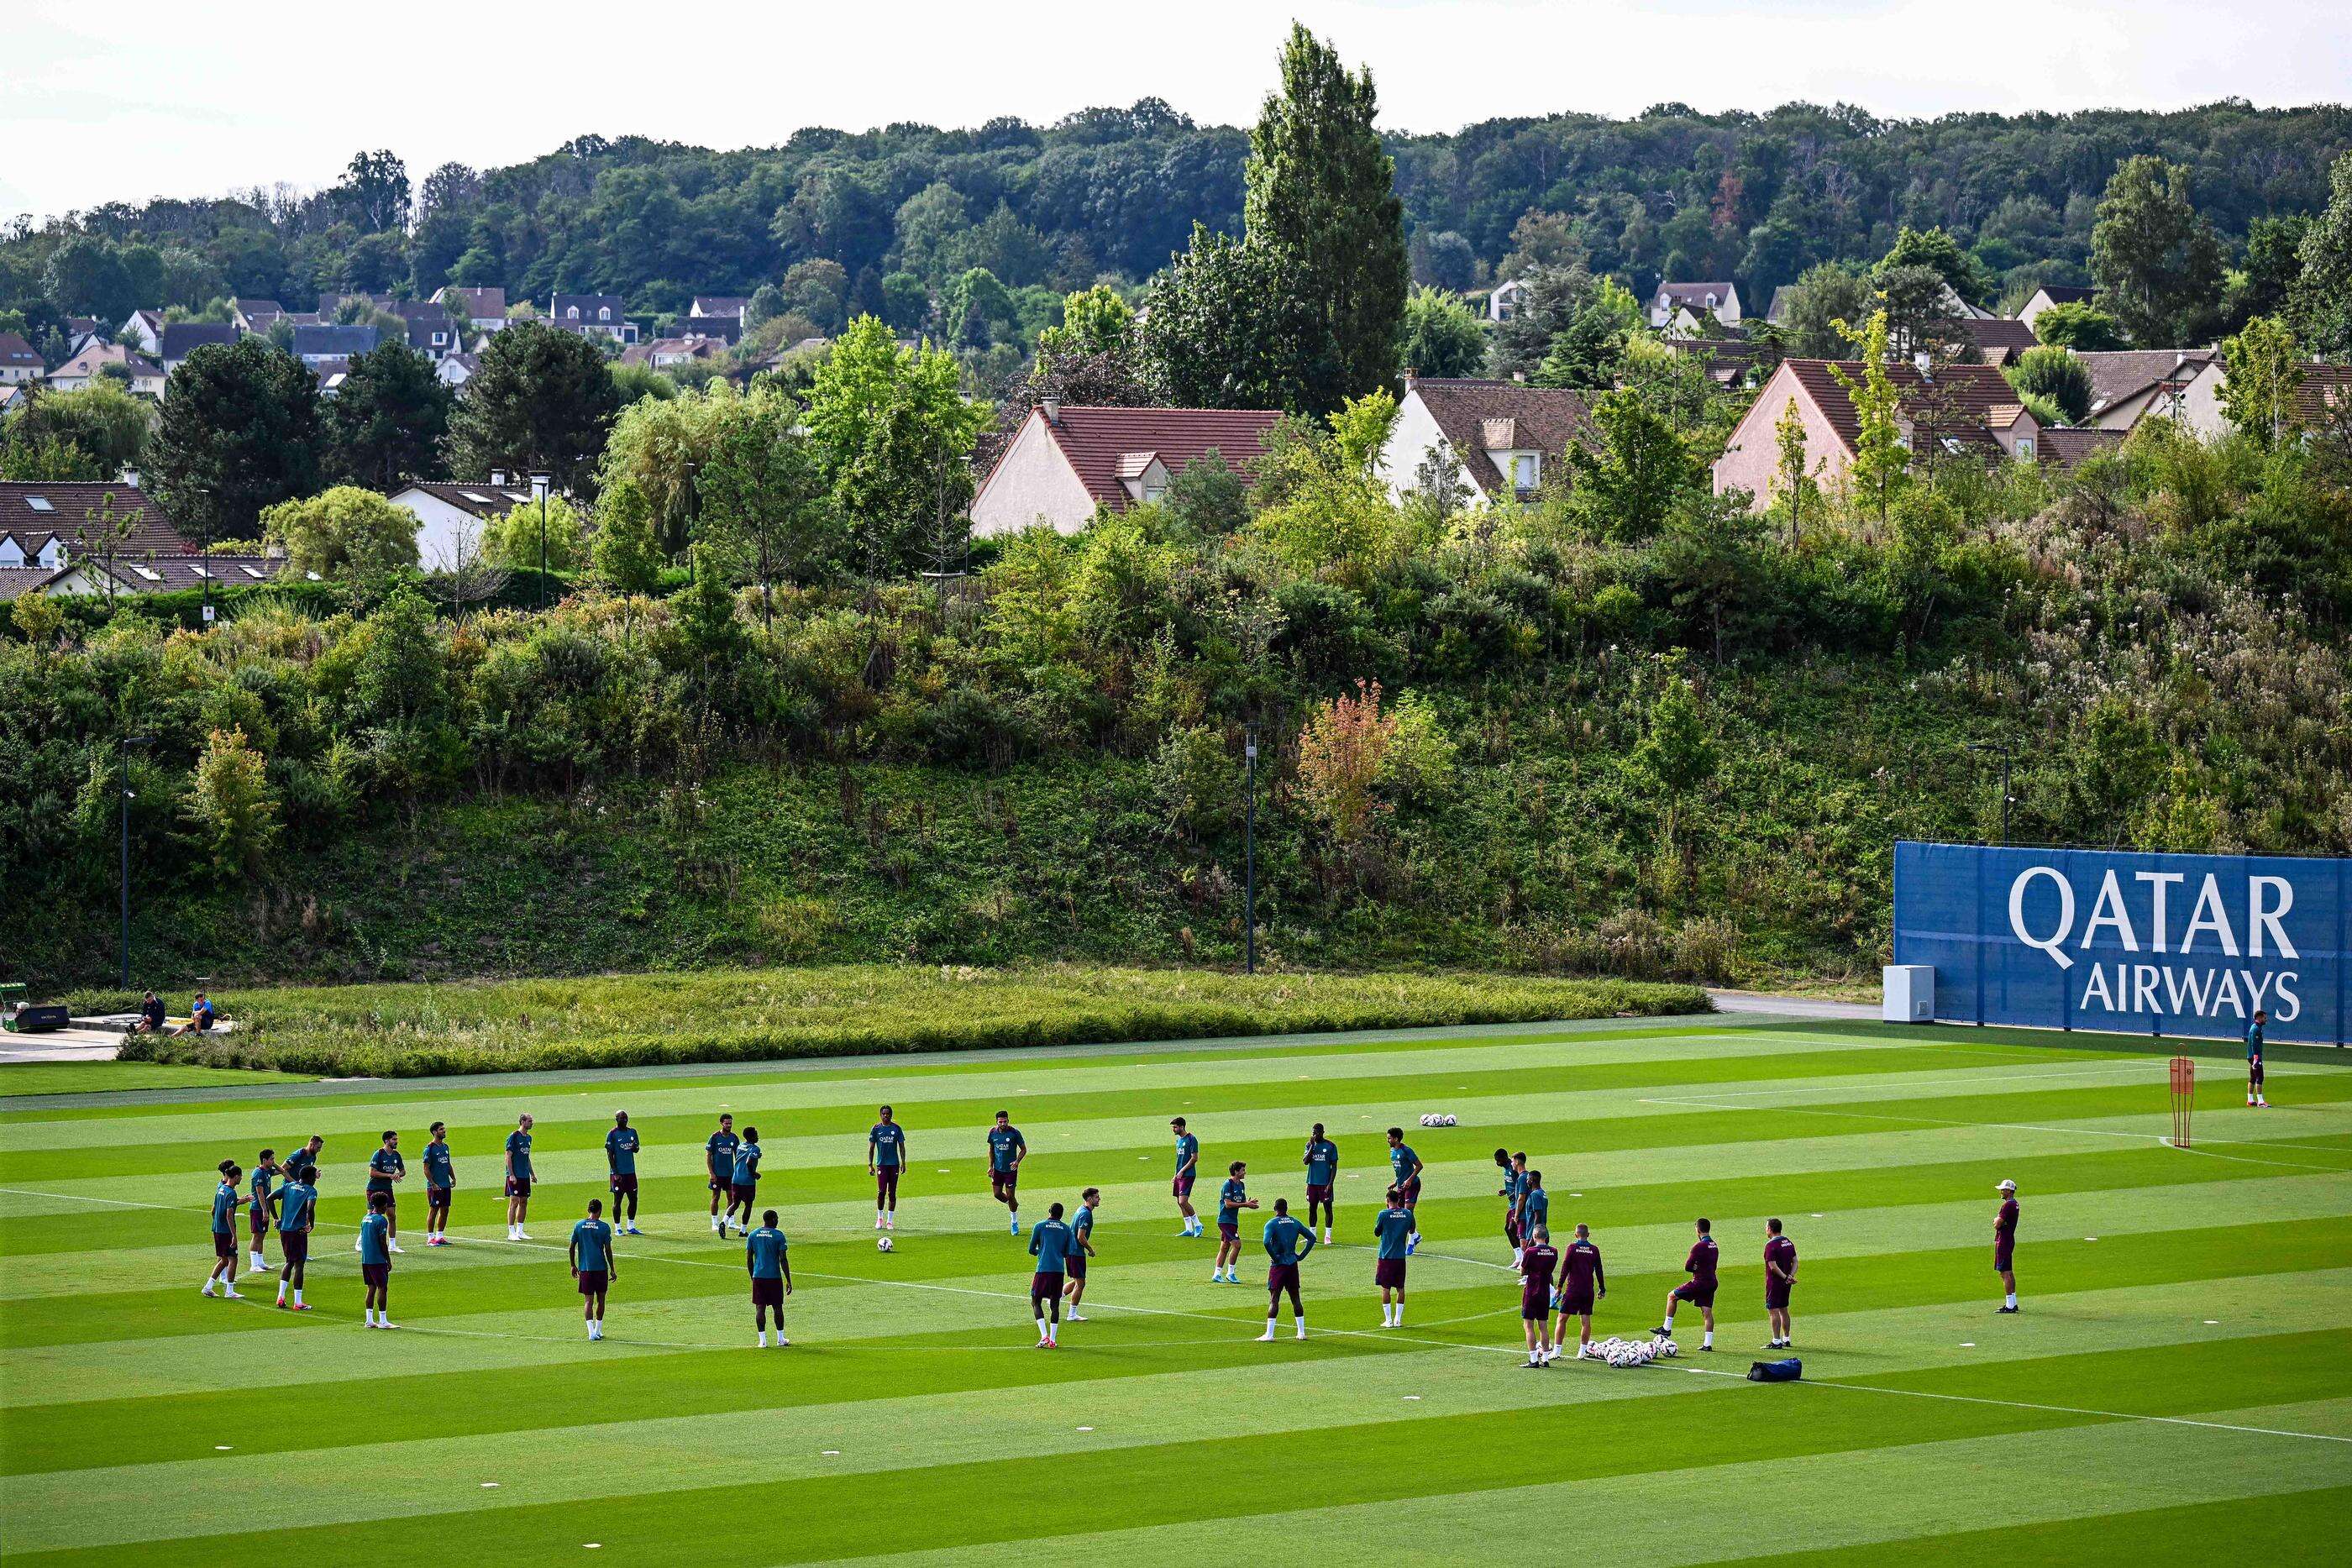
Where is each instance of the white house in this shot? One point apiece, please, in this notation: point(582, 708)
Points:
point(1720, 300)
point(181, 338)
point(1502, 439)
point(146, 329)
point(2128, 385)
point(19, 360)
point(1065, 462)
point(456, 369)
point(2051, 294)
point(146, 376)
point(449, 518)
point(485, 309)
point(593, 314)
point(1503, 302)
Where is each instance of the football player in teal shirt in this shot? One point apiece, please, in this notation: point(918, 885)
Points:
point(1082, 1249)
point(1405, 1168)
point(886, 1160)
point(258, 1212)
point(621, 1164)
point(765, 1259)
point(440, 1186)
point(518, 1178)
point(375, 1259)
point(593, 1265)
point(1392, 1233)
point(1188, 1170)
point(298, 1202)
point(719, 1160)
point(743, 1182)
point(1232, 1198)
point(1287, 1243)
point(224, 1233)
point(384, 1167)
point(1006, 1149)
point(1322, 1164)
point(1050, 1245)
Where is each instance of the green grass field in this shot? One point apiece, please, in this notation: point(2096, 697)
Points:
point(2177, 1387)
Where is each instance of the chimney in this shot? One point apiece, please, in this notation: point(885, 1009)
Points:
point(130, 477)
point(1053, 407)
point(498, 478)
point(1925, 362)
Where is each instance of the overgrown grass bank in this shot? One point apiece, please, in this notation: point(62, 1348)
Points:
point(748, 1014)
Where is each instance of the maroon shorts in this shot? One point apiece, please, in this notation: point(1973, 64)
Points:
point(1511, 1228)
point(625, 1181)
point(1003, 1184)
point(1078, 1265)
point(439, 1196)
point(1281, 1277)
point(518, 1187)
point(259, 1218)
point(1576, 1303)
point(1181, 1186)
point(1777, 1296)
point(224, 1243)
point(886, 1182)
point(1388, 1273)
point(1411, 1191)
point(295, 1244)
point(1535, 1302)
point(1228, 1232)
point(1694, 1292)
point(594, 1282)
point(377, 1274)
point(2254, 1069)
point(2003, 1256)
point(1045, 1287)
point(1318, 1194)
point(768, 1292)
point(390, 1199)
point(743, 1192)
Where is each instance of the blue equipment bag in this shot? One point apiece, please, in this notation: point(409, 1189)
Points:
point(1788, 1371)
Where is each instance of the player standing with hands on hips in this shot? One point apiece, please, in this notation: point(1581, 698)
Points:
point(2004, 1243)
point(2254, 1060)
point(1779, 1279)
point(621, 1161)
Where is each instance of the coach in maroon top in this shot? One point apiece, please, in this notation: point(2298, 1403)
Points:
point(1537, 1259)
point(1779, 1279)
point(1698, 1290)
point(1581, 1281)
point(2004, 1244)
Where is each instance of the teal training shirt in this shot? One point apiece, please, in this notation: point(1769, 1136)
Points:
point(1082, 1226)
point(294, 1201)
point(718, 1155)
point(1322, 1161)
point(595, 1240)
point(261, 1184)
point(1229, 1201)
point(224, 1208)
point(885, 1144)
point(438, 1171)
point(1188, 1153)
point(1049, 1243)
point(747, 1166)
point(1004, 1143)
point(519, 1145)
point(1403, 1162)
point(2253, 1040)
point(375, 1237)
point(763, 1252)
point(381, 1166)
point(1537, 1208)
point(1394, 1229)
point(621, 1149)
point(1286, 1240)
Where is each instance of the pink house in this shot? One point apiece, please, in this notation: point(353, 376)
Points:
point(1959, 407)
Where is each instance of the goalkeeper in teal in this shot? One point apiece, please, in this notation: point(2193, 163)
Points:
point(1287, 1243)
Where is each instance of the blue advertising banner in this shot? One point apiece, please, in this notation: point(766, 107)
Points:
point(2136, 944)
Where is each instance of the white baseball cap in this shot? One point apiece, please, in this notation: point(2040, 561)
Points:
point(2006, 1187)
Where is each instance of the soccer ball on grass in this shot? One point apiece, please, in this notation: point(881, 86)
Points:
point(882, 1244)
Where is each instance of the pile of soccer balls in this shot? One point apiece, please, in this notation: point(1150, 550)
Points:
point(1435, 1119)
point(881, 1244)
point(1634, 1352)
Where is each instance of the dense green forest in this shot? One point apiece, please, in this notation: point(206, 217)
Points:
point(888, 221)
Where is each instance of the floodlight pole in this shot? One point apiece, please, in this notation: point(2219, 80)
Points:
point(1249, 852)
point(538, 492)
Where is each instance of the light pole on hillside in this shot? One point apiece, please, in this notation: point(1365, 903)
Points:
point(538, 482)
point(128, 742)
point(1249, 854)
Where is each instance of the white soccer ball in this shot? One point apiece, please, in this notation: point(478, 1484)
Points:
point(881, 1244)
point(1427, 1120)
point(1669, 1347)
point(1446, 1121)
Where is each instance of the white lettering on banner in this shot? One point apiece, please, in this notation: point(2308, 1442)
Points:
point(2050, 944)
point(2208, 898)
point(2108, 909)
point(2259, 918)
point(2146, 988)
point(2096, 989)
point(2159, 885)
point(2289, 1005)
point(2191, 986)
point(2228, 991)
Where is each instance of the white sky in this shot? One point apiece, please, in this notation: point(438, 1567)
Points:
point(131, 99)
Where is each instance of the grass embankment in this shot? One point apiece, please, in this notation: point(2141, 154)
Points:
point(751, 1015)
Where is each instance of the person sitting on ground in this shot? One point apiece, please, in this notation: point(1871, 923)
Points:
point(200, 1017)
point(151, 1014)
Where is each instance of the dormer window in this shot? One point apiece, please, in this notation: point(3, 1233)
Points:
point(1526, 468)
point(53, 555)
point(11, 552)
point(604, 313)
point(572, 313)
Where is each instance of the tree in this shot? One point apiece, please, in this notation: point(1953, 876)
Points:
point(1227, 331)
point(104, 425)
point(541, 402)
point(1936, 249)
point(626, 551)
point(534, 535)
point(1677, 752)
point(1549, 298)
point(2264, 285)
point(2154, 257)
point(1921, 318)
point(1642, 468)
point(373, 192)
point(1823, 296)
point(1793, 482)
point(2322, 298)
point(1444, 260)
point(889, 429)
point(387, 422)
point(1443, 336)
point(2056, 374)
point(1590, 352)
point(231, 810)
point(86, 275)
point(102, 537)
point(2082, 327)
point(1320, 196)
point(1095, 321)
point(2264, 373)
point(763, 493)
point(345, 533)
point(239, 432)
point(1361, 429)
point(1880, 463)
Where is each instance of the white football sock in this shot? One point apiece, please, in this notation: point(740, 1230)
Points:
point(282, 1290)
point(298, 1296)
point(2012, 1298)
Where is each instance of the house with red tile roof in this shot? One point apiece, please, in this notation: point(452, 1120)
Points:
point(1068, 460)
point(1505, 439)
point(1955, 408)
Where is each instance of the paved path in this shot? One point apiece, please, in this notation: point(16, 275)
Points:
point(60, 1045)
point(1792, 1006)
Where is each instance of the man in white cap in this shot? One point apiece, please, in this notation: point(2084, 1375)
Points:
point(2004, 1243)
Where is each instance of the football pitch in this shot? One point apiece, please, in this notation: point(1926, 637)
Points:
point(2179, 1384)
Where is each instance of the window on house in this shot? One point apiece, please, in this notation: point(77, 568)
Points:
point(11, 553)
point(604, 313)
point(1523, 471)
point(254, 572)
point(40, 503)
point(2025, 450)
point(147, 573)
point(572, 313)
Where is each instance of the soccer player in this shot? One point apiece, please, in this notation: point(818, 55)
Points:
point(518, 1178)
point(718, 1160)
point(440, 1186)
point(742, 1183)
point(621, 1161)
point(1322, 1175)
point(1392, 1233)
point(298, 1203)
point(1583, 1281)
point(885, 1158)
point(764, 1257)
point(384, 1167)
point(1535, 1203)
point(1698, 1290)
point(258, 1211)
point(1082, 1247)
point(1779, 1279)
point(2254, 1060)
point(2004, 1243)
point(592, 1265)
point(1404, 1169)
point(1049, 1243)
point(224, 1233)
point(1537, 1259)
point(1232, 1198)
point(303, 1163)
point(1188, 1165)
point(375, 1259)
point(1509, 1194)
point(1287, 1243)
point(1006, 1149)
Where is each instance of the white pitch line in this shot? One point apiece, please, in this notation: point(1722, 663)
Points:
point(2027, 1405)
